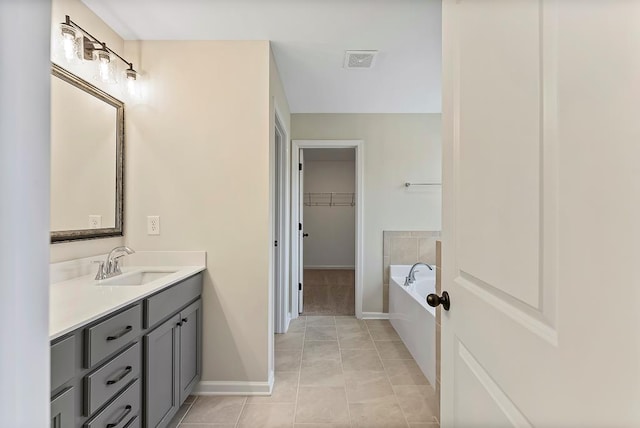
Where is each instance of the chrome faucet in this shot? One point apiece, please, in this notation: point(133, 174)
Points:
point(111, 266)
point(410, 279)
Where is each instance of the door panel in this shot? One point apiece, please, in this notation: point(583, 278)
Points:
point(190, 348)
point(161, 353)
point(499, 216)
point(540, 213)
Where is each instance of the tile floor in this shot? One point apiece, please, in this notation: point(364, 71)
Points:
point(329, 292)
point(331, 372)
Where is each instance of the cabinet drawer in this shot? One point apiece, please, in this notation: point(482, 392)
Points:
point(171, 300)
point(105, 382)
point(63, 362)
point(110, 335)
point(123, 410)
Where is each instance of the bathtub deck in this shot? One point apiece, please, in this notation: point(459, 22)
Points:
point(330, 372)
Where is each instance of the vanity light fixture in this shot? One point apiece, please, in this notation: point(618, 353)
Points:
point(97, 51)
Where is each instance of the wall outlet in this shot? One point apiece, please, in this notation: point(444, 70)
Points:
point(95, 221)
point(153, 225)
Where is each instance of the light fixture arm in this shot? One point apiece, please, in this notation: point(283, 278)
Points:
point(90, 42)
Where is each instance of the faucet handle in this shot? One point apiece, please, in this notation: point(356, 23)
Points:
point(100, 274)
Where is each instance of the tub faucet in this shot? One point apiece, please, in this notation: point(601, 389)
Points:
point(410, 279)
point(111, 266)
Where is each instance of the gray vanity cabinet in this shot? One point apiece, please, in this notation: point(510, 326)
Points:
point(133, 367)
point(190, 348)
point(162, 367)
point(173, 362)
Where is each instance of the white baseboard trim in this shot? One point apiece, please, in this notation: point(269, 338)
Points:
point(332, 267)
point(234, 388)
point(375, 316)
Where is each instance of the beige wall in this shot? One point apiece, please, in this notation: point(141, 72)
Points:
point(278, 105)
point(331, 229)
point(80, 14)
point(397, 148)
point(198, 156)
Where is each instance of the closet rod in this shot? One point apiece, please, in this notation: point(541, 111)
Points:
point(407, 184)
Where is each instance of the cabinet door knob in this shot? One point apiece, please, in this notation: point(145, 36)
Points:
point(184, 320)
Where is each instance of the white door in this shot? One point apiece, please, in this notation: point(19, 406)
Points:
point(301, 232)
point(541, 234)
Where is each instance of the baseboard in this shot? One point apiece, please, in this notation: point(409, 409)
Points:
point(234, 388)
point(375, 316)
point(331, 267)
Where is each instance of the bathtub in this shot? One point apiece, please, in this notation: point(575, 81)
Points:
point(413, 318)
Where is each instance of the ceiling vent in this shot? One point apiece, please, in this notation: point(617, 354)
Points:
point(359, 59)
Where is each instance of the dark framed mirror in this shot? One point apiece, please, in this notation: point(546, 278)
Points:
point(87, 160)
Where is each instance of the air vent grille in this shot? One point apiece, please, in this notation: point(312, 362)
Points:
point(360, 59)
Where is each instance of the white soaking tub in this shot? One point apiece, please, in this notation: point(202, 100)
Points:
point(412, 317)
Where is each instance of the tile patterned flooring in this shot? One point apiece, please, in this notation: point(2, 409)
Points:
point(331, 372)
point(329, 292)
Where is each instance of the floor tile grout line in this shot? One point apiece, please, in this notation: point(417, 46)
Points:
point(295, 407)
point(187, 412)
point(344, 380)
point(389, 380)
point(244, 403)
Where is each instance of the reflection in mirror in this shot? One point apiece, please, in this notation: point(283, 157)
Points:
point(87, 139)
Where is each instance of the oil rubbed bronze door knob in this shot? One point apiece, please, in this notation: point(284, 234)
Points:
point(434, 300)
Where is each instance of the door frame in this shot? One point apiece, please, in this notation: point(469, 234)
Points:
point(282, 288)
point(358, 145)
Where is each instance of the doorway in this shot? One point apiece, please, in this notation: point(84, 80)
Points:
point(328, 204)
point(327, 227)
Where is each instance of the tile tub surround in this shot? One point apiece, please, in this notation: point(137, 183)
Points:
point(405, 248)
point(359, 375)
point(76, 300)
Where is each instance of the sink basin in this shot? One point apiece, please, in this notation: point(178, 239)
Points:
point(135, 278)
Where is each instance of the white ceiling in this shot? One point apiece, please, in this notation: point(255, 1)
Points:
point(309, 39)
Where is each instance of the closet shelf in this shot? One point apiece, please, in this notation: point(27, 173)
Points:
point(329, 199)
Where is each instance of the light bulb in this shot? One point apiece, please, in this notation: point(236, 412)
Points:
point(131, 78)
point(104, 70)
point(103, 57)
point(69, 42)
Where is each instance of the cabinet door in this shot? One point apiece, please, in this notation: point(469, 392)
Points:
point(63, 409)
point(162, 347)
point(190, 348)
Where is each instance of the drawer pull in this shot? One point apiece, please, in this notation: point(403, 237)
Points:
point(131, 421)
point(118, 335)
point(121, 418)
point(122, 376)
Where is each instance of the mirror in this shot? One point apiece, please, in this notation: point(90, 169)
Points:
point(87, 149)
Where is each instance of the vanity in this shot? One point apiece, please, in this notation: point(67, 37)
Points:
point(125, 351)
point(126, 345)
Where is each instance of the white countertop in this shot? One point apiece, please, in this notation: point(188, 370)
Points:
point(77, 301)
